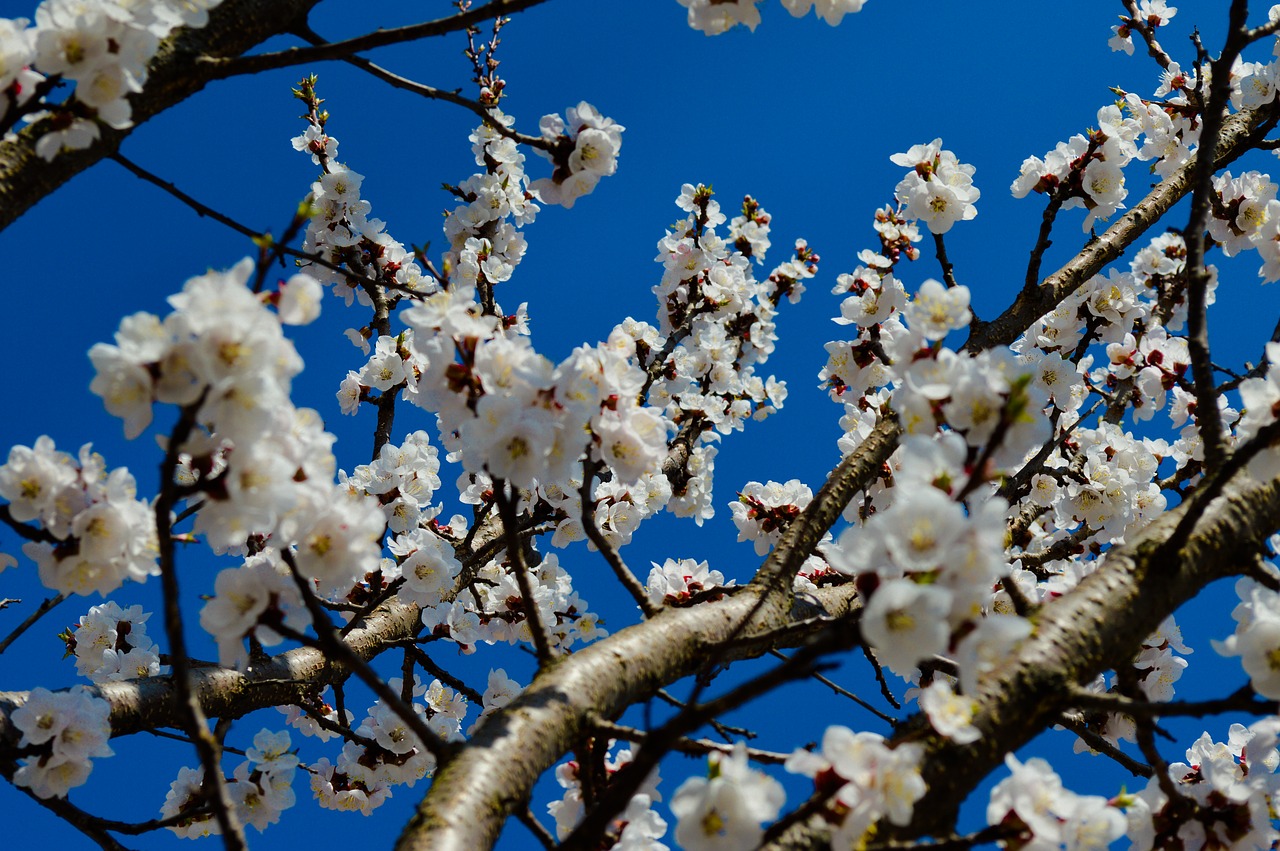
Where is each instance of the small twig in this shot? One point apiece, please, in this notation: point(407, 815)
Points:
point(1242, 700)
point(233, 66)
point(540, 833)
point(43, 609)
point(843, 692)
point(515, 552)
point(697, 747)
point(1102, 746)
point(1042, 241)
point(884, 685)
point(610, 553)
point(206, 746)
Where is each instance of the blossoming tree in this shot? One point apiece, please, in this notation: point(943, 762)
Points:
point(1021, 504)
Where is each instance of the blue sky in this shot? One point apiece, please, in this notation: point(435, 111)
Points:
point(800, 115)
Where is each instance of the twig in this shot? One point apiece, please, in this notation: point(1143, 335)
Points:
point(884, 686)
point(843, 692)
point(230, 67)
point(1102, 746)
point(339, 651)
point(611, 555)
point(687, 745)
point(1042, 241)
point(515, 552)
point(206, 746)
point(43, 609)
point(535, 827)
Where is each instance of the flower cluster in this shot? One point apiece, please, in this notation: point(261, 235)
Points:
point(869, 780)
point(111, 644)
point(261, 467)
point(493, 609)
point(928, 565)
point(763, 512)
point(716, 325)
point(260, 788)
point(1033, 802)
point(99, 532)
point(727, 808)
point(938, 190)
point(247, 602)
point(339, 229)
point(385, 752)
point(103, 47)
point(638, 828)
point(1153, 13)
point(67, 729)
point(682, 582)
point(1228, 788)
point(1257, 637)
point(714, 17)
point(583, 146)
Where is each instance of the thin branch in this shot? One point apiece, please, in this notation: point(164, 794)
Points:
point(515, 552)
point(484, 111)
point(843, 692)
point(43, 609)
point(697, 747)
point(1104, 747)
point(610, 553)
point(1043, 242)
point(221, 68)
point(338, 651)
point(1242, 700)
point(193, 715)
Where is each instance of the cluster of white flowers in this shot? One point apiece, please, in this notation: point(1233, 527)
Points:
point(1047, 816)
point(619, 509)
point(716, 326)
point(68, 729)
point(262, 467)
point(678, 582)
point(714, 17)
point(935, 564)
point(340, 230)
point(483, 245)
point(584, 147)
point(638, 828)
point(260, 788)
point(1257, 637)
point(404, 479)
point(1153, 13)
point(102, 533)
point(1229, 789)
point(1089, 171)
point(938, 190)
point(868, 779)
point(103, 47)
point(727, 808)
point(386, 752)
point(493, 610)
point(247, 601)
point(111, 644)
point(763, 511)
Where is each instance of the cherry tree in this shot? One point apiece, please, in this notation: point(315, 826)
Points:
point(1022, 505)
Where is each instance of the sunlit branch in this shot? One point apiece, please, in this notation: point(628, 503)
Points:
point(219, 68)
